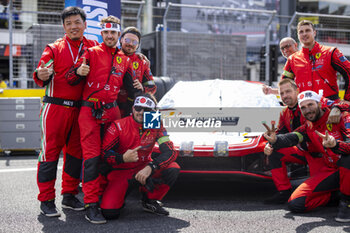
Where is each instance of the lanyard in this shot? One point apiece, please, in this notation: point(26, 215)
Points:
point(71, 53)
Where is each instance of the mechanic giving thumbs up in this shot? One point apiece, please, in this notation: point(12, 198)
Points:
point(84, 69)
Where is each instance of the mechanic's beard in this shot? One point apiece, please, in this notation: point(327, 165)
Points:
point(135, 119)
point(126, 53)
point(111, 44)
point(318, 115)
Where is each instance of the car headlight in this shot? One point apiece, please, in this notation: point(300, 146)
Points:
point(221, 149)
point(186, 149)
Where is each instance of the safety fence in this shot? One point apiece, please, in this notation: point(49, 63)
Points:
point(35, 23)
point(187, 42)
point(206, 42)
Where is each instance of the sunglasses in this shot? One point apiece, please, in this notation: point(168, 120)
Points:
point(130, 41)
point(139, 109)
point(285, 47)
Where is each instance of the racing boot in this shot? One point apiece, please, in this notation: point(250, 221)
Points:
point(93, 214)
point(48, 208)
point(280, 197)
point(153, 206)
point(69, 201)
point(343, 211)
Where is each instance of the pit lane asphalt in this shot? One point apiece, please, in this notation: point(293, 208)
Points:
point(195, 205)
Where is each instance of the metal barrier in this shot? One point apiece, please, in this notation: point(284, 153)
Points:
point(33, 24)
point(197, 42)
point(206, 42)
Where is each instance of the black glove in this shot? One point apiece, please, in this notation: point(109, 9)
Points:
point(149, 184)
point(97, 110)
point(113, 158)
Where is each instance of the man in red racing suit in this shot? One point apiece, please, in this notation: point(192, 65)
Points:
point(130, 40)
point(343, 148)
point(315, 66)
point(59, 114)
point(333, 169)
point(106, 70)
point(290, 119)
point(127, 148)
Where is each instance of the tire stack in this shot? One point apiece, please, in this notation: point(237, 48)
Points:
point(164, 84)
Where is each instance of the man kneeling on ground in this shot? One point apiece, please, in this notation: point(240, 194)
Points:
point(127, 148)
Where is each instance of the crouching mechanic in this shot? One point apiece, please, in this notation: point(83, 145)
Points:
point(343, 148)
point(127, 147)
point(333, 172)
point(289, 120)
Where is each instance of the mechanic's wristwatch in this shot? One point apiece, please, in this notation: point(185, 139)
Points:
point(153, 166)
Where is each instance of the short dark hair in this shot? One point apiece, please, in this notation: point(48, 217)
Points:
point(73, 10)
point(306, 22)
point(288, 80)
point(132, 30)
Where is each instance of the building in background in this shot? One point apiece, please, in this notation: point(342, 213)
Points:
point(37, 22)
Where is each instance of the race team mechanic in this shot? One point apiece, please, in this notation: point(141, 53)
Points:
point(104, 69)
point(315, 66)
point(343, 148)
point(289, 120)
point(288, 46)
point(130, 40)
point(59, 114)
point(332, 172)
point(127, 148)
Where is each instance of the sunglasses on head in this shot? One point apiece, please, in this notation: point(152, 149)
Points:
point(139, 109)
point(130, 41)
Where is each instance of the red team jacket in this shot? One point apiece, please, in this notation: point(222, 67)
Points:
point(126, 134)
point(144, 75)
point(317, 69)
point(110, 69)
point(58, 55)
point(306, 133)
point(291, 118)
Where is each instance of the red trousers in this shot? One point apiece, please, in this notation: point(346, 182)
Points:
point(60, 131)
point(118, 184)
point(278, 160)
point(317, 190)
point(91, 131)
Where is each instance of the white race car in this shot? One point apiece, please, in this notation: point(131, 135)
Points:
point(234, 147)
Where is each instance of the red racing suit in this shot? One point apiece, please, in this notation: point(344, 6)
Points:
point(59, 119)
point(333, 169)
point(317, 69)
point(144, 75)
point(109, 71)
point(126, 134)
point(290, 119)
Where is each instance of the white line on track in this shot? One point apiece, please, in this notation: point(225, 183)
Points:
point(21, 169)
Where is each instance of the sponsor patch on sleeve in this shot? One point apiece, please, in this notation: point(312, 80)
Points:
point(343, 58)
point(347, 125)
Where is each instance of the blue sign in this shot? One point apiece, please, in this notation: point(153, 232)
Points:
point(96, 10)
point(151, 120)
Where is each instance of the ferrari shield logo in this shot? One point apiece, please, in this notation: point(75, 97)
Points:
point(135, 64)
point(119, 60)
point(318, 55)
point(329, 127)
